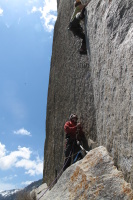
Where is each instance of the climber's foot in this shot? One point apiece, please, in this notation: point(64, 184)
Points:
point(83, 51)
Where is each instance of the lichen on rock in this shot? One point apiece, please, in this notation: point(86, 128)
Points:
point(94, 177)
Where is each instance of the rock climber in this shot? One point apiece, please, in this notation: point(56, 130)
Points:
point(74, 133)
point(74, 25)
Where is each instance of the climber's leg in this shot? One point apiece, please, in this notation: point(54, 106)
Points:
point(76, 149)
point(68, 154)
point(83, 49)
point(77, 30)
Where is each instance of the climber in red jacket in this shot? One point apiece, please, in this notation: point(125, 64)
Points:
point(74, 25)
point(74, 133)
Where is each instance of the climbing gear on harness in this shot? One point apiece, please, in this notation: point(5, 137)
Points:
point(81, 154)
point(78, 157)
point(82, 148)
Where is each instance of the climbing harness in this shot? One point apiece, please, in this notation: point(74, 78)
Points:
point(78, 143)
point(83, 149)
point(79, 156)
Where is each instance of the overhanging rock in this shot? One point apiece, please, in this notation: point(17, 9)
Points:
point(95, 178)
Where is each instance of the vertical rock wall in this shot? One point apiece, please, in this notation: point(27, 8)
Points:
point(70, 91)
point(110, 34)
point(98, 87)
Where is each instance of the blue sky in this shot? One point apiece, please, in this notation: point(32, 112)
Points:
point(26, 36)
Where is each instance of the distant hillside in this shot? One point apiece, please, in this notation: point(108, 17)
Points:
point(11, 194)
point(8, 194)
point(33, 185)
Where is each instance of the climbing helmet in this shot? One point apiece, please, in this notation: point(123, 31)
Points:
point(72, 116)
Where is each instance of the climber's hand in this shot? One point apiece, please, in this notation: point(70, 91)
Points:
point(78, 125)
point(78, 143)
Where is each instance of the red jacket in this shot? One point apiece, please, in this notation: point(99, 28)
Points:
point(71, 130)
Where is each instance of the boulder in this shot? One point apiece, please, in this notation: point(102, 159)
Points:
point(38, 192)
point(95, 178)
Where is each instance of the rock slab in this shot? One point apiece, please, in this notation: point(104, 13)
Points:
point(38, 192)
point(95, 178)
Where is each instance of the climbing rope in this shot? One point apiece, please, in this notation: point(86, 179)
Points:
point(58, 174)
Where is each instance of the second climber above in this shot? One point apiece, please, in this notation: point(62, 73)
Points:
point(74, 25)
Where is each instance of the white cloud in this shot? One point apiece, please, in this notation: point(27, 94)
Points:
point(2, 150)
point(32, 1)
point(1, 12)
point(27, 183)
point(27, 164)
point(8, 161)
point(34, 9)
point(32, 167)
point(48, 13)
point(20, 159)
point(22, 131)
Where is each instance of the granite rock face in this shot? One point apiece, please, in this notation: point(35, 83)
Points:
point(94, 178)
point(70, 91)
point(109, 27)
point(98, 87)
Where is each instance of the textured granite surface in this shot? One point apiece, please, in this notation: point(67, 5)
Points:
point(93, 178)
point(98, 87)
